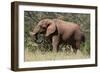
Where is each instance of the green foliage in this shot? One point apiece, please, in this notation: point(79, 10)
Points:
point(30, 45)
point(85, 48)
point(31, 19)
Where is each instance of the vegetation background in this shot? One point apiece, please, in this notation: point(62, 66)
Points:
point(34, 50)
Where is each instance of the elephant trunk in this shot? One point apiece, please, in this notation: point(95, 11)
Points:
point(35, 31)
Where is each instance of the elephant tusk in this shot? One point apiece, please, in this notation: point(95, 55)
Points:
point(46, 35)
point(32, 34)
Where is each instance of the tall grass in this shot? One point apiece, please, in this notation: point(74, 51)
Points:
point(45, 56)
point(85, 48)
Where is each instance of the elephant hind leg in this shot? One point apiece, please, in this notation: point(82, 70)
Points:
point(75, 50)
point(76, 46)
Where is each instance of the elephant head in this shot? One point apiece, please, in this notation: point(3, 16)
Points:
point(46, 26)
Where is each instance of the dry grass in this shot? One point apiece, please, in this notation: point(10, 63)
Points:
point(40, 56)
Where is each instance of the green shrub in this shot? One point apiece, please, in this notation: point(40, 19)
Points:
point(85, 48)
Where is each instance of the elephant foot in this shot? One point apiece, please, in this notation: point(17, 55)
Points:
point(75, 51)
point(54, 50)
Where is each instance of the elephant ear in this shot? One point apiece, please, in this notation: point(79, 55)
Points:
point(51, 29)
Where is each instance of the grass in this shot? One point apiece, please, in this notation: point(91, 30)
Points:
point(36, 52)
point(41, 56)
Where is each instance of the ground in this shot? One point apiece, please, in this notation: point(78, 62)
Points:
point(42, 56)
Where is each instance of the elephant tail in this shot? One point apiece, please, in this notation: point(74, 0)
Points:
point(83, 38)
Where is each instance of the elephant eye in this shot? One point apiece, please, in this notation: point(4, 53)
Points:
point(43, 27)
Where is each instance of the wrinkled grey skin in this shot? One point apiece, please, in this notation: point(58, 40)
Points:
point(60, 31)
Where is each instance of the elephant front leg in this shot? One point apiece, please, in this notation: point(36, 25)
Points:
point(55, 43)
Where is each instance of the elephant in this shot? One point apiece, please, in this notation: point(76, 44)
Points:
point(60, 31)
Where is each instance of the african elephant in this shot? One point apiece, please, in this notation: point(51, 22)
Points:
point(60, 31)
